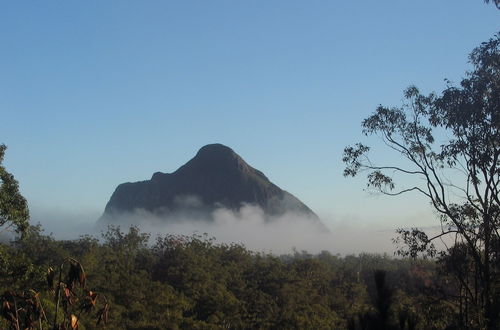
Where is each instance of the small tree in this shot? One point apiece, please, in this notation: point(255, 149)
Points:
point(13, 207)
point(460, 175)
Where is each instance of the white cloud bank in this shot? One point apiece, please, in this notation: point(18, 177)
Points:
point(247, 226)
point(279, 235)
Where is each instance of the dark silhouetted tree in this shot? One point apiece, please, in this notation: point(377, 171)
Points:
point(496, 2)
point(383, 299)
point(450, 146)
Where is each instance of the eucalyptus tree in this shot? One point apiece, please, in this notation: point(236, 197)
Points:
point(449, 146)
point(14, 213)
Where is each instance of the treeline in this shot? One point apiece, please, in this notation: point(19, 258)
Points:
point(193, 282)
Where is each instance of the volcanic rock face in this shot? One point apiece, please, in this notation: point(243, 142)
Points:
point(215, 178)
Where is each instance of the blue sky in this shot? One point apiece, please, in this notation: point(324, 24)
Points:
point(96, 93)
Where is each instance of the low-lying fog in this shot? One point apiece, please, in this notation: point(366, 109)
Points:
point(247, 226)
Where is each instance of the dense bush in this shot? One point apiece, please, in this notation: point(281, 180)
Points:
point(194, 282)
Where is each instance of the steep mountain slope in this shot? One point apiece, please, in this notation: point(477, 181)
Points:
point(216, 177)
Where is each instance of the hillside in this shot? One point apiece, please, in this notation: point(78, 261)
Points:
point(215, 178)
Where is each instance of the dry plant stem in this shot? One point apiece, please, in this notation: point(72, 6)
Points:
point(58, 294)
point(43, 312)
point(17, 314)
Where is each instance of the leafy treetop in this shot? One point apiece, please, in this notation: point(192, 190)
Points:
point(13, 206)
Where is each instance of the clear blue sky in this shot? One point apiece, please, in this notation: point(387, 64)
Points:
point(96, 93)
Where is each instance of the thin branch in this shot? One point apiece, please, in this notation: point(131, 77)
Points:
point(395, 169)
point(405, 191)
point(443, 234)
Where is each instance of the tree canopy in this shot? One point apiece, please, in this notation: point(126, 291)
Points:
point(192, 282)
point(14, 213)
point(450, 144)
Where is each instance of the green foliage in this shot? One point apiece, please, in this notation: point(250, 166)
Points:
point(193, 282)
point(459, 175)
point(13, 207)
point(181, 282)
point(64, 303)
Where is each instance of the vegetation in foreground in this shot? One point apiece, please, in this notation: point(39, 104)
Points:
point(194, 283)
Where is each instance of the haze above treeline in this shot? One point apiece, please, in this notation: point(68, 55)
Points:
point(94, 95)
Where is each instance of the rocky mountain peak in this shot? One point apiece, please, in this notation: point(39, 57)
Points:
point(216, 177)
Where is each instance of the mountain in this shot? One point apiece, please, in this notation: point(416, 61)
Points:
point(215, 178)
